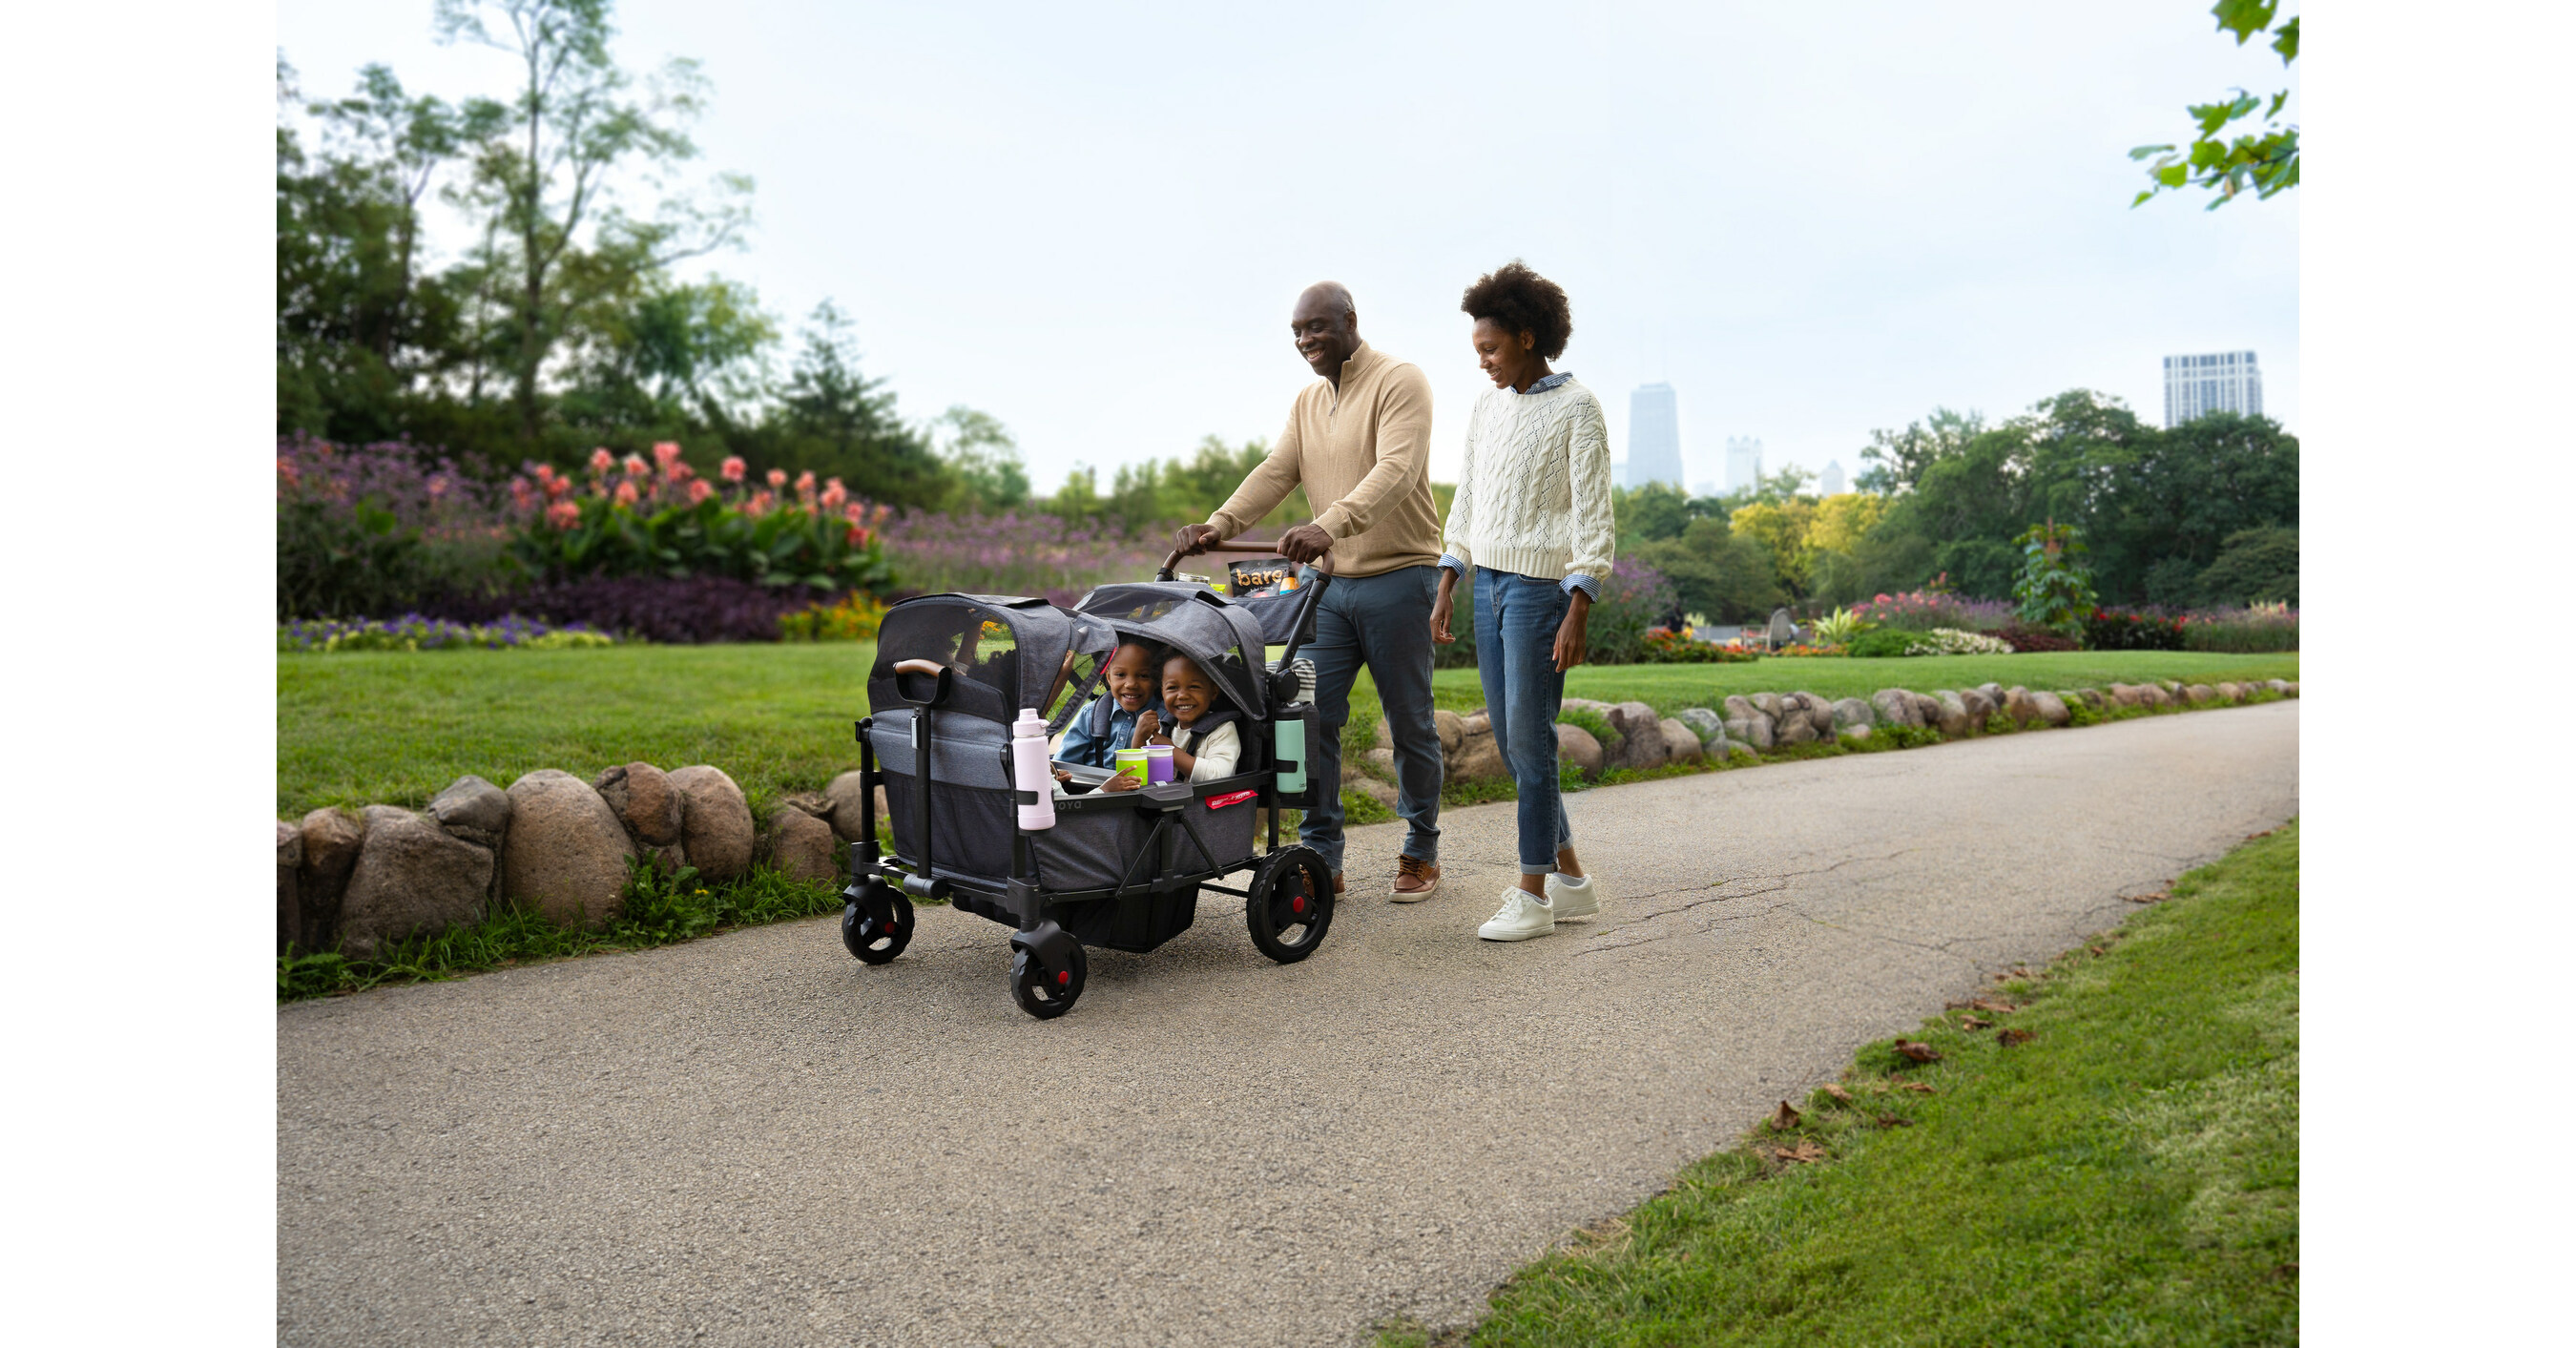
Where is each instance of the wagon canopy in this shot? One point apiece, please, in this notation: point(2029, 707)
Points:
point(1006, 652)
point(1224, 638)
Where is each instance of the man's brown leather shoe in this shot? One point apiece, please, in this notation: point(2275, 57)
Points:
point(1415, 879)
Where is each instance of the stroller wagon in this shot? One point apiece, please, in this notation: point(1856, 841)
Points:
point(1117, 869)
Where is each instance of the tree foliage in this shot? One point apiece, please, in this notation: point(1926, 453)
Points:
point(2266, 160)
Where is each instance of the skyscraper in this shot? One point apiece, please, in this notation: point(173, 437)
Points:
point(2225, 381)
point(1654, 437)
point(1832, 482)
point(1743, 462)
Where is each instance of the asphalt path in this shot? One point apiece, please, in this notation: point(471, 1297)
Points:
point(755, 1139)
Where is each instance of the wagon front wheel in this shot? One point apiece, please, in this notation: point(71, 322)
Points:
point(1291, 905)
point(873, 939)
point(1043, 994)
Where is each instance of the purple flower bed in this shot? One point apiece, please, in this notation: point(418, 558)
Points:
point(434, 493)
point(686, 612)
point(414, 632)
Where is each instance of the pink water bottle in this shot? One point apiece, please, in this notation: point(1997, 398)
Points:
point(1030, 771)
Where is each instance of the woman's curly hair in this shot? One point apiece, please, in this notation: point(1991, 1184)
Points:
point(1521, 300)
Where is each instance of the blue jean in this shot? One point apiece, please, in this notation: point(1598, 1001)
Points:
point(1383, 622)
point(1516, 621)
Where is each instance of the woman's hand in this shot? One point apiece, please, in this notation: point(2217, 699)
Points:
point(1570, 644)
point(1440, 608)
point(1148, 725)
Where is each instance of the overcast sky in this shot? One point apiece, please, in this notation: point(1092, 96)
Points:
point(1812, 220)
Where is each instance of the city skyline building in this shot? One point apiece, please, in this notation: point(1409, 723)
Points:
point(1832, 481)
point(2222, 381)
point(1654, 437)
point(1743, 462)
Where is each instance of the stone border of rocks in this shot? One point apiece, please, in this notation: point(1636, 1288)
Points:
point(356, 881)
point(1752, 725)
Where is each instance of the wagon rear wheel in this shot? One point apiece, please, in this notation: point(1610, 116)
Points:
point(1042, 994)
point(1291, 905)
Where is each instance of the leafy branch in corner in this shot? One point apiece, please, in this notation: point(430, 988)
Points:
point(2267, 163)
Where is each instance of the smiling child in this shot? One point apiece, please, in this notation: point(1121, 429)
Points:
point(1205, 743)
point(1134, 679)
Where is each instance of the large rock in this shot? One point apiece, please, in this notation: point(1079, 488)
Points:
point(2200, 693)
point(1950, 713)
point(1477, 722)
point(848, 797)
point(1476, 759)
point(1641, 737)
point(1681, 743)
point(1994, 692)
point(1752, 730)
point(2124, 694)
point(644, 801)
point(1793, 729)
point(1851, 711)
point(474, 810)
point(1385, 736)
point(567, 851)
point(1854, 734)
point(290, 855)
point(1594, 706)
point(1381, 792)
point(2019, 706)
point(1452, 729)
point(1897, 706)
point(803, 846)
point(1927, 708)
point(412, 876)
point(1576, 745)
point(1703, 722)
point(2292, 690)
point(2278, 685)
point(331, 839)
point(1737, 751)
point(2051, 708)
point(2153, 698)
point(1380, 760)
point(1980, 707)
point(1767, 703)
point(1820, 714)
point(715, 822)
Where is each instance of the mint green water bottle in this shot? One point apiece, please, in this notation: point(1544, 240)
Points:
point(1291, 734)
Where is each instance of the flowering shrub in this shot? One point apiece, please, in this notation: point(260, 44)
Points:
point(854, 617)
point(1664, 646)
point(1803, 649)
point(1925, 609)
point(688, 611)
point(1014, 554)
point(412, 632)
point(1953, 641)
point(372, 528)
point(2107, 629)
point(2259, 628)
point(633, 518)
point(1839, 627)
point(1634, 598)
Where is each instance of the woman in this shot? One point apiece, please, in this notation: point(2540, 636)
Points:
point(1531, 524)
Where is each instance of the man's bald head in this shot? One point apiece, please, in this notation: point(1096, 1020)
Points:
point(1326, 326)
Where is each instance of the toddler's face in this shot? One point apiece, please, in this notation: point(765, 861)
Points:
point(1131, 677)
point(1187, 692)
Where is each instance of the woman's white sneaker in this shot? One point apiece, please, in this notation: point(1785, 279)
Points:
point(1521, 917)
point(1570, 898)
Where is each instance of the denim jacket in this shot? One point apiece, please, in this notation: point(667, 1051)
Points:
point(1092, 745)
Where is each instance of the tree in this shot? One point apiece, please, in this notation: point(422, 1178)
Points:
point(984, 464)
point(2175, 497)
point(1717, 573)
point(1897, 458)
point(2055, 590)
point(2255, 566)
point(555, 241)
point(830, 419)
point(2269, 162)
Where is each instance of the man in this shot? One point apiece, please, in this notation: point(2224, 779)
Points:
point(1359, 442)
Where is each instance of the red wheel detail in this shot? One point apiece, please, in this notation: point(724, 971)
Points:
point(1297, 904)
point(1064, 976)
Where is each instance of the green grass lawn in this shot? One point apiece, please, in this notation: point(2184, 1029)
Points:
point(396, 727)
point(2128, 1174)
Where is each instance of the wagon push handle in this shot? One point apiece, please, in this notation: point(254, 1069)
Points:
point(1172, 562)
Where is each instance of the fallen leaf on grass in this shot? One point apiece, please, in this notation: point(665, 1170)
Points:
point(1838, 1092)
point(1914, 1052)
point(1892, 1121)
point(2097, 950)
point(1804, 1151)
point(2158, 897)
point(2011, 1037)
point(1918, 1087)
point(1787, 1118)
point(1973, 1023)
point(1995, 1004)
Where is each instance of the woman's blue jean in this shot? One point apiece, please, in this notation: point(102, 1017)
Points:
point(1516, 621)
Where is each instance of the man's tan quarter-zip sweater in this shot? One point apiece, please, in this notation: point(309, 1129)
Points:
point(1363, 453)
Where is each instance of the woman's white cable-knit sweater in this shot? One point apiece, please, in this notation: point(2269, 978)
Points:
point(1534, 495)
